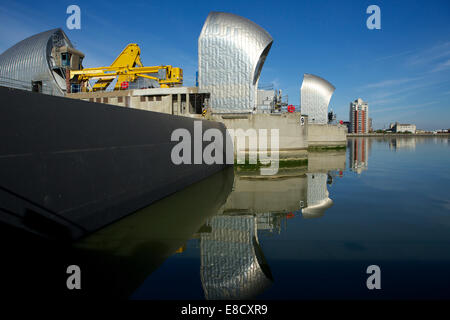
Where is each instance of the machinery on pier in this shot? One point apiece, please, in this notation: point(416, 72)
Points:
point(127, 68)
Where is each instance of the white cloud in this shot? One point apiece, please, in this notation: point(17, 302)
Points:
point(384, 101)
point(395, 55)
point(404, 107)
point(442, 66)
point(431, 54)
point(385, 93)
point(392, 82)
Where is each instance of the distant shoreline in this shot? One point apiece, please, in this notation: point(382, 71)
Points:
point(398, 134)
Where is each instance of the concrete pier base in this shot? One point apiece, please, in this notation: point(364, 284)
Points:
point(293, 143)
point(326, 135)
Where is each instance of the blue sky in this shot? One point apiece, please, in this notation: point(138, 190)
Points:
point(402, 70)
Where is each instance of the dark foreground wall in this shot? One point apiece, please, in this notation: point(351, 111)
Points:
point(69, 167)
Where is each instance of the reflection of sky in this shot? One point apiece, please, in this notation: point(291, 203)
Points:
point(398, 209)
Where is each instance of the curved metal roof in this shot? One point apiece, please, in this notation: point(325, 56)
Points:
point(316, 93)
point(30, 60)
point(232, 263)
point(231, 54)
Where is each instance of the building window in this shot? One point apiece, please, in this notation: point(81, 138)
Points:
point(142, 98)
point(65, 59)
point(105, 100)
point(120, 99)
point(98, 100)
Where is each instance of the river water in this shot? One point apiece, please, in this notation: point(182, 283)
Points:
point(308, 232)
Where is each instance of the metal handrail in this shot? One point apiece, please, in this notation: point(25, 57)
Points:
point(138, 84)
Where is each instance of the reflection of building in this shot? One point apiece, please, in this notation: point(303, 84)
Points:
point(232, 263)
point(262, 196)
point(402, 143)
point(231, 54)
point(317, 195)
point(326, 162)
point(269, 222)
point(38, 63)
point(358, 154)
point(359, 116)
point(315, 93)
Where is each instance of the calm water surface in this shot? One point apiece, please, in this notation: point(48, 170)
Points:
point(307, 233)
point(312, 232)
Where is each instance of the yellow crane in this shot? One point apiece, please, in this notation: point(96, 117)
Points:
point(126, 68)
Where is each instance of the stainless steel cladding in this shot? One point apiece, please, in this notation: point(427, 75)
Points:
point(316, 93)
point(231, 54)
point(31, 60)
point(232, 263)
point(317, 196)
